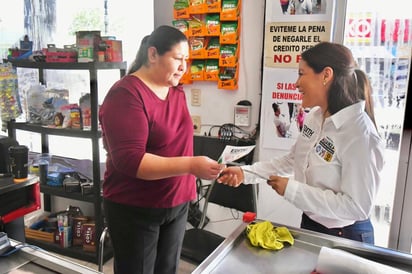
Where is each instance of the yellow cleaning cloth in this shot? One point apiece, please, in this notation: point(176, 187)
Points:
point(265, 235)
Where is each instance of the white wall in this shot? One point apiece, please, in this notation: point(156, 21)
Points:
point(217, 105)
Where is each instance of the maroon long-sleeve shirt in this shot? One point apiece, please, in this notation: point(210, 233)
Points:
point(135, 121)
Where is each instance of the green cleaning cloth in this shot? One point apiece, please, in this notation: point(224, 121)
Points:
point(265, 235)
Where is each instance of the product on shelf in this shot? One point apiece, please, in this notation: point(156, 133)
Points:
point(67, 54)
point(87, 43)
point(90, 169)
point(213, 30)
point(9, 100)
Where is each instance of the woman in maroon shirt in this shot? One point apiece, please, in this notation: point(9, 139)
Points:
point(150, 168)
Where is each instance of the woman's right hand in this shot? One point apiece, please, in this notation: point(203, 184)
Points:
point(205, 168)
point(231, 176)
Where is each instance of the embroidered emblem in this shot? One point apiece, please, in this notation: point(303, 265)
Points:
point(325, 149)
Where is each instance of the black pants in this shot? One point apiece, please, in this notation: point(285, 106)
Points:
point(146, 240)
point(361, 231)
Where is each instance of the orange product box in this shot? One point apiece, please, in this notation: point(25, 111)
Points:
point(229, 61)
point(211, 70)
point(229, 32)
point(114, 51)
point(212, 53)
point(197, 76)
point(197, 25)
point(197, 54)
point(228, 55)
point(227, 84)
point(195, 8)
point(213, 48)
point(228, 78)
point(213, 6)
point(213, 29)
point(181, 13)
point(228, 13)
point(211, 76)
point(181, 25)
point(197, 68)
point(231, 38)
point(212, 23)
point(197, 31)
point(197, 47)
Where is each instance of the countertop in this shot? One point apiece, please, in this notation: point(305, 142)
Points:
point(237, 255)
point(35, 260)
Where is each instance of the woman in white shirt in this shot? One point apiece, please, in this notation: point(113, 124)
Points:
point(333, 171)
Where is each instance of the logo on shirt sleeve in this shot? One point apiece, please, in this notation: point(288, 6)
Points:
point(307, 131)
point(325, 149)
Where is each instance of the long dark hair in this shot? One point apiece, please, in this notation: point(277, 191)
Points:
point(163, 38)
point(350, 84)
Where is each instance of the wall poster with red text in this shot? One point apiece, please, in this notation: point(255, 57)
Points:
point(291, 27)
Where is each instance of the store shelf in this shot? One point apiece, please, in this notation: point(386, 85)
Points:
point(59, 191)
point(70, 66)
point(93, 134)
point(37, 128)
point(74, 252)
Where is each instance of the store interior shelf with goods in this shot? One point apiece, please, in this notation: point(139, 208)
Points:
point(213, 31)
point(89, 46)
point(64, 112)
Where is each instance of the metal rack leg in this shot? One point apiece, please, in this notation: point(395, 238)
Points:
point(101, 248)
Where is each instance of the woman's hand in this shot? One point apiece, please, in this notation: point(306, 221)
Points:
point(231, 176)
point(278, 184)
point(205, 168)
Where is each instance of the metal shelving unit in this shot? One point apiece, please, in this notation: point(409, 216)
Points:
point(93, 134)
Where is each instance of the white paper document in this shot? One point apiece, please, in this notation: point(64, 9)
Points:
point(233, 153)
point(338, 261)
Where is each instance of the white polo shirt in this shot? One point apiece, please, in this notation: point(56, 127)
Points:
point(335, 166)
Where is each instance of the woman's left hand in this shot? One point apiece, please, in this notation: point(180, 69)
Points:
point(278, 184)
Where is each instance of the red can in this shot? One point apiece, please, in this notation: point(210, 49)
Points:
point(65, 236)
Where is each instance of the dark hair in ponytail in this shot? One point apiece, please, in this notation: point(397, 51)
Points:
point(163, 38)
point(350, 84)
